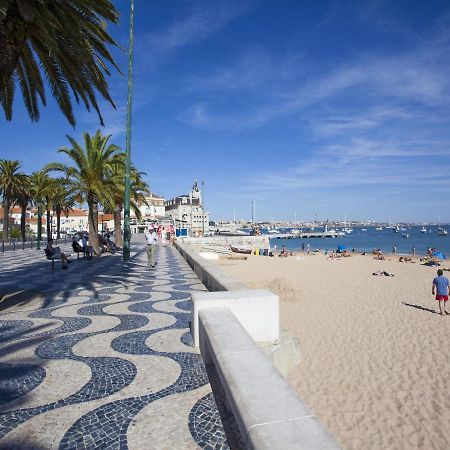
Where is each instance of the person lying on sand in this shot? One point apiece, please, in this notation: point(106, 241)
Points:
point(405, 259)
point(383, 272)
point(380, 257)
point(431, 263)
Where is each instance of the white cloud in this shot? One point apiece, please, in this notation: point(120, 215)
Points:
point(203, 19)
point(272, 87)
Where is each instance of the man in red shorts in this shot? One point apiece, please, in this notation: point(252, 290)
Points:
point(441, 286)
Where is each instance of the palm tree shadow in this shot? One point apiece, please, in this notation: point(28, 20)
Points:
point(422, 308)
point(52, 287)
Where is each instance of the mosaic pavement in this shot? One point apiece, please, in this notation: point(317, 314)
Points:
point(99, 356)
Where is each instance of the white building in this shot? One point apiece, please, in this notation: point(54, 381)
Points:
point(187, 211)
point(154, 209)
point(16, 214)
point(72, 221)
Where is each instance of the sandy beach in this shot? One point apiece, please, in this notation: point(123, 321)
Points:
point(375, 365)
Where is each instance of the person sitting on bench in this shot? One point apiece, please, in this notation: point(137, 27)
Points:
point(87, 247)
point(77, 247)
point(110, 243)
point(56, 253)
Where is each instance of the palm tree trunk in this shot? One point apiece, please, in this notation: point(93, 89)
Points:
point(23, 216)
point(49, 225)
point(5, 220)
point(93, 222)
point(58, 224)
point(118, 235)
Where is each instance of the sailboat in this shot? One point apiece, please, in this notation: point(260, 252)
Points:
point(379, 228)
point(347, 230)
point(440, 230)
point(423, 229)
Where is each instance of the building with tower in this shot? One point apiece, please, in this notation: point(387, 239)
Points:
point(188, 212)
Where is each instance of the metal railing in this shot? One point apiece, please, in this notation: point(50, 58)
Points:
point(18, 244)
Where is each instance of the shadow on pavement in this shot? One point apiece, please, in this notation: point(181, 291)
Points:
point(28, 282)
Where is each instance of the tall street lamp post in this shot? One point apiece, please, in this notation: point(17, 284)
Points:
point(126, 202)
point(203, 206)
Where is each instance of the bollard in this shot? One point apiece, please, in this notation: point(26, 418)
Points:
point(23, 245)
point(14, 245)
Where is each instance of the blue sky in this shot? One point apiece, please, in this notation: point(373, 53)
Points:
point(326, 107)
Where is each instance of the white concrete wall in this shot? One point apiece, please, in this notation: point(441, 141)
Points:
point(268, 412)
point(257, 311)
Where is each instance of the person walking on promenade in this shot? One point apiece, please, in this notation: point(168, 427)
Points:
point(441, 287)
point(151, 238)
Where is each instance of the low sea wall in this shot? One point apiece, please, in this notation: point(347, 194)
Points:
point(249, 242)
point(207, 272)
point(268, 412)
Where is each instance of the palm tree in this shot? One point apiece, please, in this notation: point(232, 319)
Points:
point(63, 201)
point(11, 182)
point(40, 184)
point(91, 174)
point(24, 199)
point(138, 189)
point(49, 192)
point(64, 40)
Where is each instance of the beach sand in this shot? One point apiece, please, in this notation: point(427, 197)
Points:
point(375, 365)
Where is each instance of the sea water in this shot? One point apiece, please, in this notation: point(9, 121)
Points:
point(366, 241)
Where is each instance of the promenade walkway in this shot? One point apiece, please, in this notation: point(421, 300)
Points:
point(99, 356)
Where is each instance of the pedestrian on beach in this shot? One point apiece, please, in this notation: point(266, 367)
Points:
point(413, 250)
point(441, 288)
point(151, 237)
point(303, 247)
point(394, 249)
point(307, 249)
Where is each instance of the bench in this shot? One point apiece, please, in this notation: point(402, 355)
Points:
point(78, 249)
point(268, 412)
point(52, 258)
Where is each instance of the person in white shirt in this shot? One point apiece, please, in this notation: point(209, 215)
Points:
point(151, 237)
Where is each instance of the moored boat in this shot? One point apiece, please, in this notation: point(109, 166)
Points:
point(245, 251)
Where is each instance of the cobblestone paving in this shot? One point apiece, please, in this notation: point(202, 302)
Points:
point(100, 356)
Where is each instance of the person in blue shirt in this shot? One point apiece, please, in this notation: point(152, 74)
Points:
point(441, 288)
